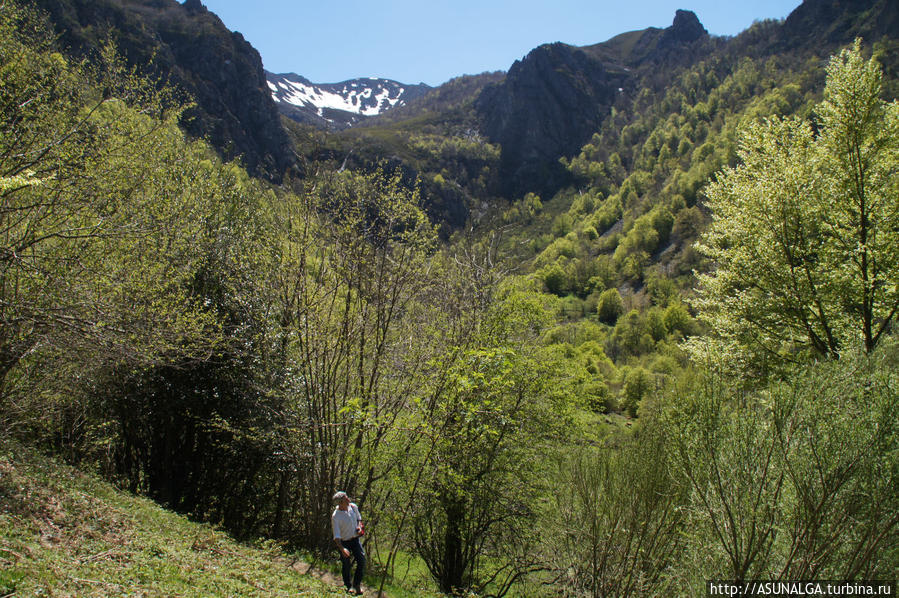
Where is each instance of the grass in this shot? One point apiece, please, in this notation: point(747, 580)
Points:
point(66, 533)
point(409, 577)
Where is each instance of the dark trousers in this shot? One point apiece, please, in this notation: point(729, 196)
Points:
point(357, 553)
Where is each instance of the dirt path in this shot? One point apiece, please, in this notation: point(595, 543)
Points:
point(327, 577)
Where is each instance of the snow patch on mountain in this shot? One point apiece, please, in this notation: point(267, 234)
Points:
point(338, 104)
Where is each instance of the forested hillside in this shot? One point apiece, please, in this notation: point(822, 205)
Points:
point(659, 354)
point(184, 45)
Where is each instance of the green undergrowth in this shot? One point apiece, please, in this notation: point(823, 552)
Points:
point(409, 577)
point(67, 533)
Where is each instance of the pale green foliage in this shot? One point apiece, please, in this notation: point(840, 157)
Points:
point(638, 384)
point(492, 403)
point(562, 247)
point(795, 481)
point(631, 336)
point(678, 320)
point(804, 230)
point(106, 213)
point(347, 275)
point(613, 525)
point(18, 181)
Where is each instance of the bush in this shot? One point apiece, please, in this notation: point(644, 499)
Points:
point(631, 336)
point(562, 225)
point(678, 320)
point(804, 471)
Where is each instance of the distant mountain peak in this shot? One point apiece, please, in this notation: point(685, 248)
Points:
point(338, 105)
point(686, 27)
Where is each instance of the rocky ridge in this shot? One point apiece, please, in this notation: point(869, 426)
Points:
point(187, 46)
point(557, 96)
point(338, 105)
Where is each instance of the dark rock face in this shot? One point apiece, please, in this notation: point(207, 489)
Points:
point(549, 105)
point(835, 22)
point(686, 28)
point(190, 48)
point(553, 100)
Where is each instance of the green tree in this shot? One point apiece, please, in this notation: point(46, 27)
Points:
point(631, 336)
point(196, 434)
point(805, 231)
point(610, 306)
point(555, 278)
point(638, 384)
point(105, 213)
point(348, 271)
point(501, 407)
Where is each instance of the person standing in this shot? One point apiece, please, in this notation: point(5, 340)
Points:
point(347, 523)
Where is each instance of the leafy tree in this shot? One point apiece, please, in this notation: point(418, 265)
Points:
point(610, 306)
point(638, 384)
point(196, 434)
point(804, 231)
point(105, 213)
point(679, 321)
point(631, 336)
point(501, 405)
point(347, 273)
point(555, 278)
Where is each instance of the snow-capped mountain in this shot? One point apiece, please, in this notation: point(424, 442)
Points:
point(338, 105)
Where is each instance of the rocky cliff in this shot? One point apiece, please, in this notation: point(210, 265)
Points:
point(190, 48)
point(554, 99)
point(548, 105)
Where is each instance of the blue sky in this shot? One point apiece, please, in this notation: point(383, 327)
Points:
point(432, 41)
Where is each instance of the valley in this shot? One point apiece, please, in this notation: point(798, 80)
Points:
point(616, 321)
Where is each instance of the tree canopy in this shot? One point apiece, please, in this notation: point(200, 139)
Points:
point(804, 229)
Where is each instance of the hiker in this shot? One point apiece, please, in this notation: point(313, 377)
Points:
point(347, 523)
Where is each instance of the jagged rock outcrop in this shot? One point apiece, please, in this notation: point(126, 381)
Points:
point(548, 105)
point(686, 28)
point(190, 48)
point(554, 99)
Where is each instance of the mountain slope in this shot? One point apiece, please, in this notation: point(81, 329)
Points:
point(828, 22)
point(190, 48)
point(628, 221)
point(554, 99)
point(65, 533)
point(550, 103)
point(338, 105)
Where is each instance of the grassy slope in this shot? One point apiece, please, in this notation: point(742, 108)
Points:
point(65, 533)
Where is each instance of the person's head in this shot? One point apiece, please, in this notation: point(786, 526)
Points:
point(342, 499)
